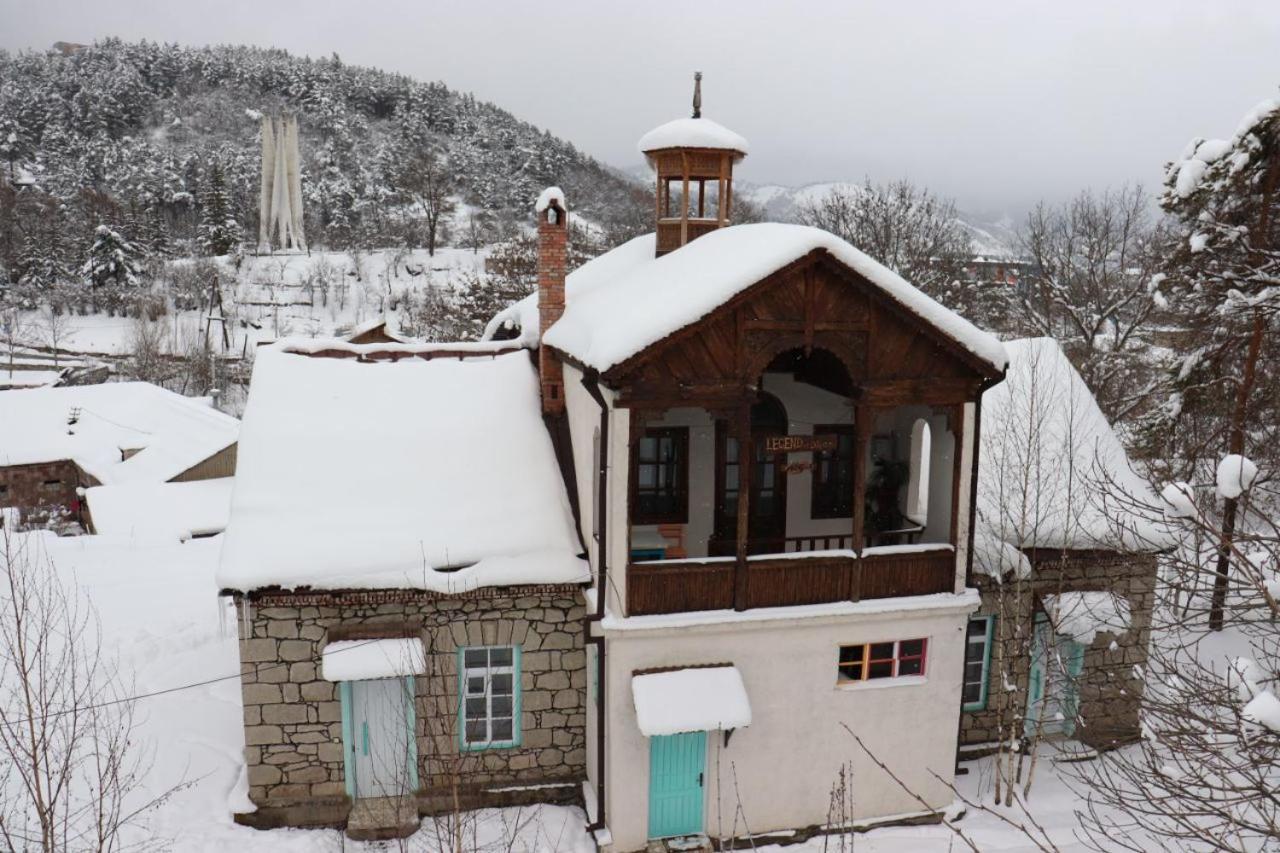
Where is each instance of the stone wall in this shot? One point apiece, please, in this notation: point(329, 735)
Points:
point(35, 488)
point(1109, 686)
point(293, 718)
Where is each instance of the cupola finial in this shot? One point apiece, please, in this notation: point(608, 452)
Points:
point(697, 94)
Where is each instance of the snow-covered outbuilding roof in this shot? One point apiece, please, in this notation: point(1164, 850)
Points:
point(692, 133)
point(97, 426)
point(434, 474)
point(1052, 472)
point(165, 511)
point(626, 300)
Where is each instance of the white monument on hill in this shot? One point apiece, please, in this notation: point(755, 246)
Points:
point(280, 209)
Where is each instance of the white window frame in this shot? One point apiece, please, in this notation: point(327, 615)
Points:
point(486, 672)
point(980, 703)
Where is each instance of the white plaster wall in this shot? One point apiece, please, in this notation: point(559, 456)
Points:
point(941, 463)
point(618, 536)
point(584, 419)
point(787, 760)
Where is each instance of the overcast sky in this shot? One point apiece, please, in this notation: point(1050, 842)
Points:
point(993, 103)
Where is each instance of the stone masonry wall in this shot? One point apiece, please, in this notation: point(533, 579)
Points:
point(37, 487)
point(1109, 686)
point(293, 717)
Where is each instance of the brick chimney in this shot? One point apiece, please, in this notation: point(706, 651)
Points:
point(553, 230)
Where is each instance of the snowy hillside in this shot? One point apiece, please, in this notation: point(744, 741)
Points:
point(995, 238)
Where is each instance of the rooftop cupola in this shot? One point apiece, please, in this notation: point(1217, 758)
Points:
point(693, 158)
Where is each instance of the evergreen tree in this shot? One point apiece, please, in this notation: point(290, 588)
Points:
point(113, 261)
point(220, 233)
point(1224, 393)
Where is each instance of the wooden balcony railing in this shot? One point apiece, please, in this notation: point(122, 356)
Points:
point(680, 586)
point(669, 232)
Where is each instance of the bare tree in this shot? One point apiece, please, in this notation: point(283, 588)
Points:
point(1205, 774)
point(14, 329)
point(1094, 258)
point(56, 324)
point(424, 179)
point(907, 228)
point(146, 360)
point(70, 769)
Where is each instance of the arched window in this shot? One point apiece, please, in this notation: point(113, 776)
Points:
point(918, 484)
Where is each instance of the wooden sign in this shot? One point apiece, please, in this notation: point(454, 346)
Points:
point(799, 443)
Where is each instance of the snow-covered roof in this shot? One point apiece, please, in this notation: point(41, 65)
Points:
point(698, 699)
point(172, 511)
point(600, 270)
point(645, 301)
point(692, 133)
point(430, 474)
point(363, 660)
point(377, 324)
point(170, 432)
point(1052, 472)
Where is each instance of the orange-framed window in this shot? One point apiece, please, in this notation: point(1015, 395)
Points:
point(889, 659)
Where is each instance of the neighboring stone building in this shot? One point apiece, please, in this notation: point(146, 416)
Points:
point(58, 441)
point(402, 551)
point(1059, 645)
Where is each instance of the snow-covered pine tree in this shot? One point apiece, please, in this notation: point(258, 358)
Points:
point(113, 266)
point(1224, 393)
point(220, 232)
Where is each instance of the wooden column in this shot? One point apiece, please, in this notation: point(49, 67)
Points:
point(863, 416)
point(684, 200)
point(721, 211)
point(746, 462)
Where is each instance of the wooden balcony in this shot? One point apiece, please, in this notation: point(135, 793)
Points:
point(680, 586)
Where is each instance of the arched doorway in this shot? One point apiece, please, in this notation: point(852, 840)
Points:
point(767, 524)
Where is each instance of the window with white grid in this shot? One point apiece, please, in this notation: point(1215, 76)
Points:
point(490, 696)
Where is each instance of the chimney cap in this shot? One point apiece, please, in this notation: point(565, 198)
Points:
point(551, 197)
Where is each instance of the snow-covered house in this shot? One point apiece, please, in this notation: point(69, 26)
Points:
point(56, 441)
point(773, 442)
point(1065, 560)
point(401, 548)
point(736, 473)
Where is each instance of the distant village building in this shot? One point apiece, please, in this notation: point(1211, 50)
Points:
point(699, 504)
point(58, 441)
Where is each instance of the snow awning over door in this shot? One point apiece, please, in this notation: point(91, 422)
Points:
point(1083, 615)
point(698, 699)
point(363, 660)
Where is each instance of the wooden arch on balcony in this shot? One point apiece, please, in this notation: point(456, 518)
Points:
point(891, 356)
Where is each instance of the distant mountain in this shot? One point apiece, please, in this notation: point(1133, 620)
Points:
point(990, 238)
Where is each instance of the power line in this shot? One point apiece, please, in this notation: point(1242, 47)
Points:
point(189, 686)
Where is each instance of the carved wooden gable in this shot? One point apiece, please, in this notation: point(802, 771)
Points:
point(814, 303)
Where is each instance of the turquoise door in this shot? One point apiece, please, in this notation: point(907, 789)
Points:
point(1053, 686)
point(677, 771)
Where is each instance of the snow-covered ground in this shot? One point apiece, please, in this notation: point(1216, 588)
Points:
point(285, 294)
point(161, 616)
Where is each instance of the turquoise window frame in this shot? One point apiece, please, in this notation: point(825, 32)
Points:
point(348, 740)
point(980, 704)
point(516, 703)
